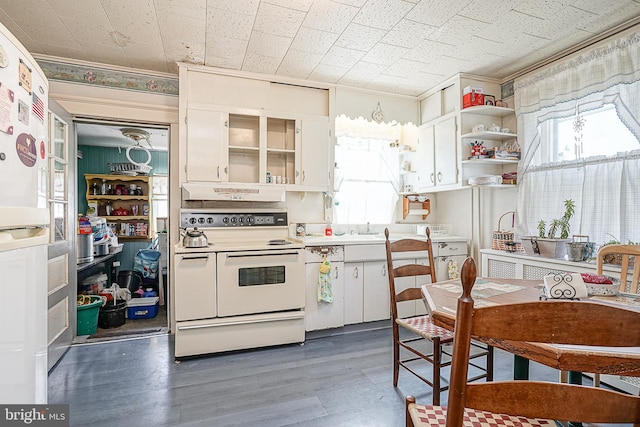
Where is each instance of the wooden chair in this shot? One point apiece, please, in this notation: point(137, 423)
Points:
point(534, 402)
point(420, 325)
point(624, 252)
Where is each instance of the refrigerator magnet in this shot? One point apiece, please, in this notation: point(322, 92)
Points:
point(4, 58)
point(24, 76)
point(26, 149)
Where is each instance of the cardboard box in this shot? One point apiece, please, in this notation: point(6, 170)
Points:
point(472, 95)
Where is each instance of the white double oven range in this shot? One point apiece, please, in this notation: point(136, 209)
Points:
point(245, 289)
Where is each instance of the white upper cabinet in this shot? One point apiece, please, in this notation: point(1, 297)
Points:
point(207, 141)
point(437, 156)
point(241, 130)
point(314, 149)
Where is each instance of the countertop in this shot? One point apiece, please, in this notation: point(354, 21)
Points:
point(371, 239)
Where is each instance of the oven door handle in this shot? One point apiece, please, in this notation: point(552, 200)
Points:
point(195, 257)
point(261, 255)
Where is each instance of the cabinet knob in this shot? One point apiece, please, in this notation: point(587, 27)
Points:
point(384, 270)
point(355, 272)
point(336, 276)
point(432, 177)
point(439, 176)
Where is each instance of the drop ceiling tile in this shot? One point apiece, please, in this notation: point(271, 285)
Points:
point(458, 30)
point(406, 68)
point(385, 54)
point(257, 63)
point(362, 71)
point(244, 7)
point(488, 11)
point(268, 45)
point(360, 37)
point(278, 21)
point(228, 24)
point(32, 45)
point(47, 31)
point(341, 57)
point(133, 21)
point(436, 12)
point(89, 31)
point(195, 9)
point(328, 73)
point(329, 16)
point(225, 50)
point(426, 49)
point(383, 14)
point(302, 5)
point(408, 33)
point(314, 41)
point(192, 52)
point(105, 54)
point(298, 64)
point(356, 3)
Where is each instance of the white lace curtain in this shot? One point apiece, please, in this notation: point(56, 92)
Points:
point(605, 189)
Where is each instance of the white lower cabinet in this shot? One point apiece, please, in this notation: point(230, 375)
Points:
point(366, 292)
point(376, 304)
point(324, 315)
point(353, 293)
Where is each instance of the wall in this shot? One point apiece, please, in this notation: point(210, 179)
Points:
point(96, 160)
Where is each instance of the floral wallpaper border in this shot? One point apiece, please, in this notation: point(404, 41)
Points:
point(96, 76)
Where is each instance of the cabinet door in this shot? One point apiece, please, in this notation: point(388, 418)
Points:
point(446, 159)
point(207, 141)
point(425, 160)
point(314, 153)
point(377, 301)
point(195, 276)
point(353, 292)
point(324, 315)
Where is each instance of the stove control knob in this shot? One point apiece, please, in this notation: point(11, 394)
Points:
point(200, 220)
point(233, 220)
point(250, 220)
point(241, 220)
point(192, 220)
point(225, 220)
point(209, 220)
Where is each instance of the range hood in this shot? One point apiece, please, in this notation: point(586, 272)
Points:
point(232, 191)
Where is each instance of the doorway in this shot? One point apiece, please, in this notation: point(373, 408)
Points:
point(122, 184)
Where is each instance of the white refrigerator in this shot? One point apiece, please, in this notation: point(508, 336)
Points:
point(24, 219)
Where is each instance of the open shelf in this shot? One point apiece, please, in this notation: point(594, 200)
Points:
point(489, 110)
point(490, 161)
point(498, 136)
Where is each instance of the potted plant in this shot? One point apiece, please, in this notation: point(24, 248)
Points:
point(552, 243)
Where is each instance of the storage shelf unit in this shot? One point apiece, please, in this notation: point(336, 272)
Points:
point(134, 227)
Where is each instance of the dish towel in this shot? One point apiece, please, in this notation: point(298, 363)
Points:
point(325, 293)
point(454, 273)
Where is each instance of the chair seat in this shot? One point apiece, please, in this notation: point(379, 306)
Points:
point(423, 326)
point(423, 416)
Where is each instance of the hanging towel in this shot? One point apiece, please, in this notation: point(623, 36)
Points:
point(325, 293)
point(454, 273)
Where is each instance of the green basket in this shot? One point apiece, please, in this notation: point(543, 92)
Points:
point(88, 316)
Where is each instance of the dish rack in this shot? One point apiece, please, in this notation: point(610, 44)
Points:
point(434, 229)
point(129, 169)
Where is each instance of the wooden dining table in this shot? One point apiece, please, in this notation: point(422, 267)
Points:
point(441, 300)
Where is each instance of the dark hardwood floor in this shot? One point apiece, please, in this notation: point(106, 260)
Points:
point(336, 380)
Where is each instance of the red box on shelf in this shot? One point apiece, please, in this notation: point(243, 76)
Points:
point(472, 95)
